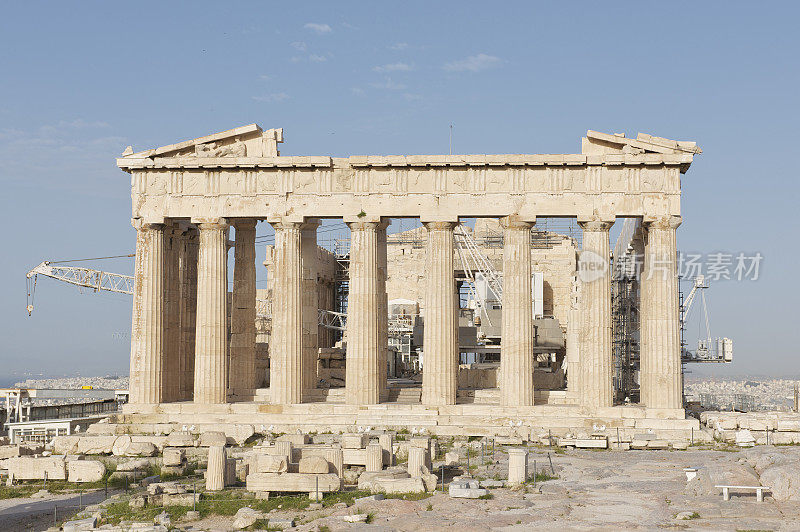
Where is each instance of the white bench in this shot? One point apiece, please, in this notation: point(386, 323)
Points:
point(726, 495)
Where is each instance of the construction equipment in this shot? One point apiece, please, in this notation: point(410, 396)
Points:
point(708, 349)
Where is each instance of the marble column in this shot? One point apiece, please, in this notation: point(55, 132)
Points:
point(215, 471)
point(573, 352)
point(147, 329)
point(310, 265)
point(362, 373)
point(172, 322)
point(211, 336)
point(516, 347)
point(242, 373)
point(374, 454)
point(661, 377)
point(286, 351)
point(188, 310)
point(383, 312)
point(440, 362)
point(596, 358)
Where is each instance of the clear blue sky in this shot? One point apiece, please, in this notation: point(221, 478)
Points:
point(80, 81)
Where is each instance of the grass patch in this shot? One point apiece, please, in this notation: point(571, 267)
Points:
point(409, 496)
point(370, 517)
point(486, 497)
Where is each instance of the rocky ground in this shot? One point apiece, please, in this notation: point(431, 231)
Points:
point(606, 490)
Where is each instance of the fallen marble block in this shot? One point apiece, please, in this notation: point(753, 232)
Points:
point(29, 468)
point(85, 471)
point(395, 485)
point(466, 488)
point(293, 482)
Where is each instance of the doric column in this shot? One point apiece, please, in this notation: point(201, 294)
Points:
point(188, 310)
point(242, 373)
point(172, 322)
point(596, 382)
point(310, 265)
point(661, 378)
point(362, 379)
point(516, 347)
point(147, 330)
point(211, 336)
point(440, 342)
point(383, 312)
point(286, 351)
point(573, 352)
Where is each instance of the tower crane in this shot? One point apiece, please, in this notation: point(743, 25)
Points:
point(103, 281)
point(708, 349)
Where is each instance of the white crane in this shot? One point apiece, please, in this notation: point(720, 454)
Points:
point(99, 280)
point(708, 349)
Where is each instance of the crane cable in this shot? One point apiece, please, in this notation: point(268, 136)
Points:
point(94, 258)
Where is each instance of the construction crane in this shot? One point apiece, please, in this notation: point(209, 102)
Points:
point(97, 280)
point(708, 349)
point(102, 281)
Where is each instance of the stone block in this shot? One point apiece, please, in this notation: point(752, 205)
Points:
point(638, 444)
point(591, 443)
point(292, 482)
point(265, 463)
point(178, 499)
point(213, 439)
point(65, 444)
point(680, 445)
point(179, 439)
point(246, 517)
point(421, 442)
point(355, 518)
point(30, 468)
point(174, 456)
point(658, 444)
point(134, 465)
point(466, 489)
point(85, 471)
point(313, 464)
point(12, 451)
point(395, 485)
point(295, 439)
point(490, 483)
point(96, 444)
point(355, 441)
point(354, 457)
point(126, 446)
point(788, 425)
point(240, 433)
point(451, 458)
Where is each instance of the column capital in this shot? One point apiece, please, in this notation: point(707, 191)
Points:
point(243, 223)
point(440, 226)
point(516, 222)
point(311, 223)
point(284, 224)
point(211, 223)
point(141, 225)
point(363, 226)
point(596, 223)
point(662, 222)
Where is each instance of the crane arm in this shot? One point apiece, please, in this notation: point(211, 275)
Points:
point(86, 277)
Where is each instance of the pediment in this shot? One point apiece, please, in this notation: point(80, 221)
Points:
point(245, 141)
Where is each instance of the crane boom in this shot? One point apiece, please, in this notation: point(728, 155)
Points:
point(99, 280)
point(86, 277)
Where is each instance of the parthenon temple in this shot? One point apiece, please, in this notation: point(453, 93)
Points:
point(195, 353)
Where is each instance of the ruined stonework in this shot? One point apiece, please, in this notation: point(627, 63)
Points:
point(186, 197)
